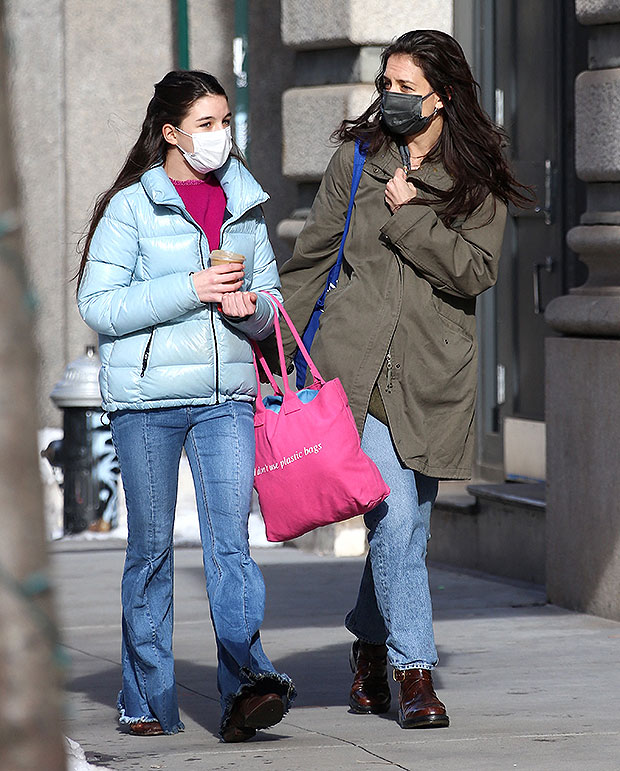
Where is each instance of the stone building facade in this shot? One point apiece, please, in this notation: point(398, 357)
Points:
point(583, 365)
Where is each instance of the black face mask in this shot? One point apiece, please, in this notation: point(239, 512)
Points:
point(402, 113)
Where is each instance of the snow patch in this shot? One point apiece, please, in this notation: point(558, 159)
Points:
point(76, 759)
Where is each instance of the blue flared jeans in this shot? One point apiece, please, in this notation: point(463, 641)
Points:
point(219, 441)
point(394, 601)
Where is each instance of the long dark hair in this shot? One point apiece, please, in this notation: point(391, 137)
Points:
point(470, 145)
point(174, 95)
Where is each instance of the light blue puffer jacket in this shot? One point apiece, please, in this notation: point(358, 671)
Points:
point(159, 345)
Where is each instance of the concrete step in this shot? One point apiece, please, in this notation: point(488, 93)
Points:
point(494, 528)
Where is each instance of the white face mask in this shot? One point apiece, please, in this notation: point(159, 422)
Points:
point(211, 149)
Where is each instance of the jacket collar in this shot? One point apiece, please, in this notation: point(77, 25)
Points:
point(385, 162)
point(242, 191)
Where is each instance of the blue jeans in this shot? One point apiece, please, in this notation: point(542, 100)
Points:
point(394, 602)
point(219, 441)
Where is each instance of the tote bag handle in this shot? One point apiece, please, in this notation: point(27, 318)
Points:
point(290, 401)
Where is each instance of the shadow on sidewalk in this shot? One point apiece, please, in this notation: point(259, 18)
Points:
point(299, 596)
point(322, 678)
point(321, 593)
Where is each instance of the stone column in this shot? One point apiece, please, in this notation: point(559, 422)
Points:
point(583, 366)
point(35, 78)
point(337, 45)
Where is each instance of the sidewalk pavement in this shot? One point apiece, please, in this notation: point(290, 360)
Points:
point(528, 686)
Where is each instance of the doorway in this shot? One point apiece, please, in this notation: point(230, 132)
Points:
point(525, 55)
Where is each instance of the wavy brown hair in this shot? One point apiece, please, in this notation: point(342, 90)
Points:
point(470, 146)
point(174, 96)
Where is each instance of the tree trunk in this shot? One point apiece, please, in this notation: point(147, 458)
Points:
point(30, 701)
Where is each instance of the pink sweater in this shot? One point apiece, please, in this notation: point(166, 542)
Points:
point(204, 199)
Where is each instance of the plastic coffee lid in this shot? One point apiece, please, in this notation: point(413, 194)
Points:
point(226, 254)
point(79, 386)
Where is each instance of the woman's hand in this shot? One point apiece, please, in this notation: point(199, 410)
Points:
point(212, 284)
point(398, 191)
point(239, 304)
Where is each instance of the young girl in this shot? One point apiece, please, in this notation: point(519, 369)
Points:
point(400, 330)
point(177, 372)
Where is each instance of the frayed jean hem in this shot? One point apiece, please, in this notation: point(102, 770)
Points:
point(124, 719)
point(414, 665)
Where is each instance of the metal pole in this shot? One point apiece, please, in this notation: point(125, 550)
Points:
point(240, 70)
point(182, 35)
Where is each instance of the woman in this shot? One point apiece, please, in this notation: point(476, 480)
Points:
point(399, 330)
point(177, 372)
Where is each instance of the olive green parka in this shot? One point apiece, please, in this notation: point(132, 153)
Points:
point(403, 314)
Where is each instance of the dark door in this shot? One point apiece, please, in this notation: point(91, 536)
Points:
point(532, 51)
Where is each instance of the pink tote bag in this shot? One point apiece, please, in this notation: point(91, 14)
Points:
point(310, 469)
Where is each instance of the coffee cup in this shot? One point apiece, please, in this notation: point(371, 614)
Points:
point(224, 257)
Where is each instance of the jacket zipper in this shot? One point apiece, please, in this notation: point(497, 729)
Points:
point(186, 215)
point(389, 350)
point(217, 353)
point(147, 352)
point(388, 385)
point(388, 382)
point(217, 360)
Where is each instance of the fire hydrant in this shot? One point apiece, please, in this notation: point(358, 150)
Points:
point(85, 454)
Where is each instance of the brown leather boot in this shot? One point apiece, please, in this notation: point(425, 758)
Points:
point(250, 712)
point(370, 692)
point(419, 706)
point(146, 728)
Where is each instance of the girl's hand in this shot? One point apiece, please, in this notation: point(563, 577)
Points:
point(212, 284)
point(398, 191)
point(239, 304)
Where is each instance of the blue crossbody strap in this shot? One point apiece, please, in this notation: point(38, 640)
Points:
point(310, 331)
